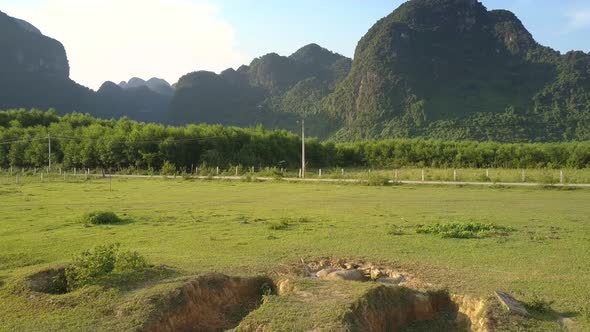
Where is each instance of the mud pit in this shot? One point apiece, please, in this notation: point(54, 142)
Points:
point(210, 303)
point(379, 299)
point(323, 295)
point(50, 281)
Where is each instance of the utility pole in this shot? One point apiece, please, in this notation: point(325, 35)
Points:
point(49, 139)
point(303, 148)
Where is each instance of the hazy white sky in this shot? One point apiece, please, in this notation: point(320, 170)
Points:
point(118, 39)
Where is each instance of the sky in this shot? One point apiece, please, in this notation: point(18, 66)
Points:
point(114, 40)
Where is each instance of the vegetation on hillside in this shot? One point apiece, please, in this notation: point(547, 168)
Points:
point(453, 70)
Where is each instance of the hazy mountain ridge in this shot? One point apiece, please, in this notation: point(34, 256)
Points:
point(267, 91)
point(447, 69)
point(155, 84)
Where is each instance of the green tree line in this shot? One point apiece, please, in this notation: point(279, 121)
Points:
point(80, 140)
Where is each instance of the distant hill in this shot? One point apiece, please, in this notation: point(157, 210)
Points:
point(452, 69)
point(444, 69)
point(273, 90)
point(34, 70)
point(155, 84)
point(140, 103)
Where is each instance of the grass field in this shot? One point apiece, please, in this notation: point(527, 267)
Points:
point(235, 228)
point(544, 176)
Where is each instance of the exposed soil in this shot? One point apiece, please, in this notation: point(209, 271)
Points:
point(392, 300)
point(50, 281)
point(209, 303)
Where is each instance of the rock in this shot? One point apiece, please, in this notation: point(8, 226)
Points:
point(285, 286)
point(376, 274)
point(351, 275)
point(510, 303)
point(391, 281)
point(397, 277)
point(323, 273)
point(350, 266)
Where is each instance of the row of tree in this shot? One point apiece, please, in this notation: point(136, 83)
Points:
point(79, 140)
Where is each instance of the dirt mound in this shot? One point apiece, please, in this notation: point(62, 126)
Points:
point(209, 303)
point(396, 308)
point(325, 305)
point(50, 281)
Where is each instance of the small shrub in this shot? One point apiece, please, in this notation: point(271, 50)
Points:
point(168, 168)
point(130, 261)
point(101, 218)
point(471, 230)
point(375, 179)
point(539, 305)
point(483, 178)
point(396, 230)
point(92, 265)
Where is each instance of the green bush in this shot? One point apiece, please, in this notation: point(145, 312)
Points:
point(376, 179)
point(92, 265)
point(471, 230)
point(168, 168)
point(101, 218)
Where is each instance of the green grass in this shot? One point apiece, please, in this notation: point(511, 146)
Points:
point(469, 230)
point(194, 227)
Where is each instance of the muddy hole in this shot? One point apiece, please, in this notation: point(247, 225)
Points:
point(50, 281)
point(210, 303)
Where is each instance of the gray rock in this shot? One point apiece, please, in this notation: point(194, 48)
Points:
point(393, 281)
point(324, 273)
point(511, 304)
point(350, 275)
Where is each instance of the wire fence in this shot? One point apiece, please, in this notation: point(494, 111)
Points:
point(493, 175)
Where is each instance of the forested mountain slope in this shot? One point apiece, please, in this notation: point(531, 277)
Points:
point(452, 69)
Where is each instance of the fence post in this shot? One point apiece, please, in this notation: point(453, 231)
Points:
point(236, 170)
point(75, 171)
point(523, 176)
point(320, 172)
point(487, 173)
point(10, 170)
point(422, 175)
point(455, 175)
point(561, 176)
point(60, 171)
point(343, 172)
point(300, 172)
point(217, 170)
point(252, 169)
point(395, 174)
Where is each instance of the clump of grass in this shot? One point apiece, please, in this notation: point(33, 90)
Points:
point(539, 305)
point(279, 226)
point(470, 230)
point(396, 230)
point(376, 179)
point(92, 265)
point(101, 218)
